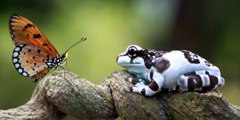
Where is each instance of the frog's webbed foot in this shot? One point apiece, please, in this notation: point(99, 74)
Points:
point(147, 90)
point(134, 81)
point(138, 84)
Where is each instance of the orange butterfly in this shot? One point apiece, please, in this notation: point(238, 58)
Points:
point(34, 55)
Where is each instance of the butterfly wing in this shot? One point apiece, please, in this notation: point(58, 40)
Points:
point(31, 62)
point(33, 55)
point(23, 31)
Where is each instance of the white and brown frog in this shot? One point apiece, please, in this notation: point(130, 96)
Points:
point(177, 70)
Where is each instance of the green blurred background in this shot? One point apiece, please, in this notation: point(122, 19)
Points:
point(211, 29)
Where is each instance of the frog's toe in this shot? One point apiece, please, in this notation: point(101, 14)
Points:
point(127, 89)
point(131, 80)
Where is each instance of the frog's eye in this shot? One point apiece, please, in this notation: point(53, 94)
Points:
point(132, 51)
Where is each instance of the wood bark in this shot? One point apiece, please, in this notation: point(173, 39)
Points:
point(64, 93)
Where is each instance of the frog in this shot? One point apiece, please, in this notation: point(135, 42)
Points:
point(175, 70)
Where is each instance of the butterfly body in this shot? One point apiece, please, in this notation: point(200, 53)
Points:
point(33, 55)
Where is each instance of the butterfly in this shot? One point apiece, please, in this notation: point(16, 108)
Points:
point(34, 55)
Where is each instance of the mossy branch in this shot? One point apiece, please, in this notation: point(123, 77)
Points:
point(64, 93)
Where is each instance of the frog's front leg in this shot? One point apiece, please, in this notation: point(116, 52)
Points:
point(201, 81)
point(152, 88)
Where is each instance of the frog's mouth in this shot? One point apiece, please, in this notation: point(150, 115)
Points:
point(130, 63)
point(125, 61)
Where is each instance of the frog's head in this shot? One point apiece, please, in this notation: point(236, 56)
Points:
point(135, 59)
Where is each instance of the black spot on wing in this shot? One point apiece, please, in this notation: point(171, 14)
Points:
point(44, 44)
point(27, 26)
point(37, 36)
point(30, 25)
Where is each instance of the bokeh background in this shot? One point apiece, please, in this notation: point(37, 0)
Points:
point(209, 28)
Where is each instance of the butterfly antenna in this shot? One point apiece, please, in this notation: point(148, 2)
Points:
point(83, 39)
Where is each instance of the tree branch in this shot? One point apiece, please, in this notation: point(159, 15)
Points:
point(64, 93)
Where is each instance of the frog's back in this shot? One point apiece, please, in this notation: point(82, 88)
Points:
point(183, 61)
